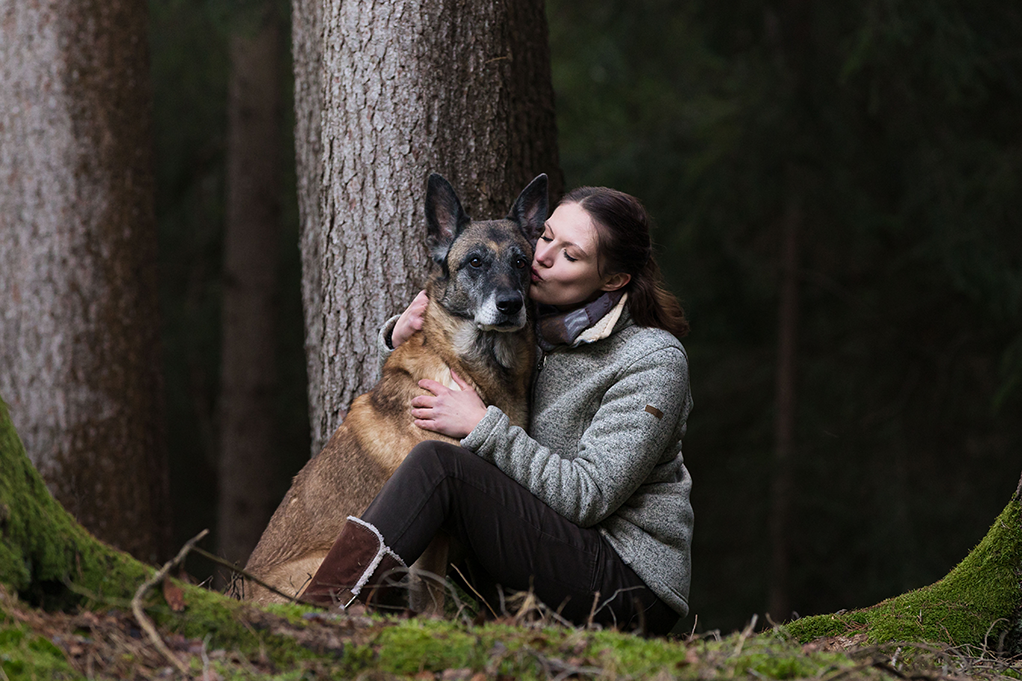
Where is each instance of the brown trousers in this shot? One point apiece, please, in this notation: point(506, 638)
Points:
point(512, 539)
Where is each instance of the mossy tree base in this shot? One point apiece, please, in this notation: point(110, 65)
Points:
point(978, 603)
point(44, 549)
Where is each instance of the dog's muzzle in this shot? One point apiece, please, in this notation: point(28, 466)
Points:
point(502, 312)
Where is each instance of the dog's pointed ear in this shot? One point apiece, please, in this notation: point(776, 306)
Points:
point(530, 208)
point(445, 218)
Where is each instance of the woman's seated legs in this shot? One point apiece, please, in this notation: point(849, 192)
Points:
point(519, 541)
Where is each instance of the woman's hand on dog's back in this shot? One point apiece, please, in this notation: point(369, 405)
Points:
point(410, 320)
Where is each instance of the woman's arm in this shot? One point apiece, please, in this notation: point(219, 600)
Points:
point(633, 427)
point(399, 328)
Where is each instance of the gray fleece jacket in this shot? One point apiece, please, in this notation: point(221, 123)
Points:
point(607, 421)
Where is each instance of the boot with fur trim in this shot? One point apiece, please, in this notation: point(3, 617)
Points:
point(359, 566)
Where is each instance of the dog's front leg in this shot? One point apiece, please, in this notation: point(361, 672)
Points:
point(428, 577)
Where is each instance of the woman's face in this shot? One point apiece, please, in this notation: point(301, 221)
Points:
point(564, 267)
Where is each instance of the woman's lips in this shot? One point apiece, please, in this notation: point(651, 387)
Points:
point(535, 276)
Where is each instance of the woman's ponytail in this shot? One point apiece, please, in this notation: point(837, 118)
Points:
point(624, 245)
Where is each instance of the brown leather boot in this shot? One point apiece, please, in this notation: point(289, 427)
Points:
point(359, 565)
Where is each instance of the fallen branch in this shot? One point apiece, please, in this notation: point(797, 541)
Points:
point(291, 598)
point(139, 612)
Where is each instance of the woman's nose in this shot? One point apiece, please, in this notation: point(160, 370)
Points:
point(542, 253)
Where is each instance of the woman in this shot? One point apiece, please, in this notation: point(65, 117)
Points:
point(590, 508)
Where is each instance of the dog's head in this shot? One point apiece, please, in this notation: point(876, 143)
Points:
point(483, 267)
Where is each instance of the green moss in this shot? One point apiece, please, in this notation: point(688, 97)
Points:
point(777, 666)
point(24, 655)
point(978, 600)
point(634, 655)
point(43, 548)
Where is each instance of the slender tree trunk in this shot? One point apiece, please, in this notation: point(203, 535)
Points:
point(79, 355)
point(789, 29)
point(247, 465)
point(460, 88)
point(784, 400)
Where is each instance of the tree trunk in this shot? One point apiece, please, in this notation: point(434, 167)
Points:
point(79, 345)
point(793, 41)
point(784, 401)
point(978, 603)
point(247, 464)
point(309, 84)
point(459, 88)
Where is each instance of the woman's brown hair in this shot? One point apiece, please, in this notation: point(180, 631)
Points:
point(624, 245)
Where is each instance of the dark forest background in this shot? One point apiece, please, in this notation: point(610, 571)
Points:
point(845, 195)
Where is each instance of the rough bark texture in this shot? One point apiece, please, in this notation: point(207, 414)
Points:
point(79, 359)
point(459, 88)
point(309, 81)
point(247, 465)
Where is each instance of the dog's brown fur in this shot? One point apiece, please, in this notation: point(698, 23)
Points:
point(378, 431)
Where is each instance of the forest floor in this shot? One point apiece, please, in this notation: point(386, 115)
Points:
point(108, 643)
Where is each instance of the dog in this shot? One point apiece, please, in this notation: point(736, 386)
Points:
point(477, 323)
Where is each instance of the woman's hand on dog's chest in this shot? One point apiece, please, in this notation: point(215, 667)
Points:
point(454, 413)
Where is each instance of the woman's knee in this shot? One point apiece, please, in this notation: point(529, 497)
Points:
point(439, 456)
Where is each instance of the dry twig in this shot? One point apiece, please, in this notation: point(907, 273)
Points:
point(139, 612)
point(291, 598)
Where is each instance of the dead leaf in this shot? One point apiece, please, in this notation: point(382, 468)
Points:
point(174, 596)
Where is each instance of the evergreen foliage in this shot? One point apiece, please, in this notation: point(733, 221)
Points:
point(901, 117)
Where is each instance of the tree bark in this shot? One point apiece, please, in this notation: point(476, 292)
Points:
point(309, 84)
point(459, 88)
point(79, 345)
point(247, 463)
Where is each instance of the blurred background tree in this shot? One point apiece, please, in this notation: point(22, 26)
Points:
point(79, 323)
point(886, 132)
point(198, 46)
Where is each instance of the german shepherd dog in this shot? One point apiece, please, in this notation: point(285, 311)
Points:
point(477, 323)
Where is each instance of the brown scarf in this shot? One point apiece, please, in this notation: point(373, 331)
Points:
point(555, 328)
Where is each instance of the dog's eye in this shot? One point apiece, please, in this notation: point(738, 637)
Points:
point(475, 262)
point(520, 263)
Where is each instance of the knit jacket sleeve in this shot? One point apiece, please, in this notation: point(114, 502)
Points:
point(628, 436)
point(383, 344)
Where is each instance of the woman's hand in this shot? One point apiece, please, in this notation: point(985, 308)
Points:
point(410, 320)
point(453, 413)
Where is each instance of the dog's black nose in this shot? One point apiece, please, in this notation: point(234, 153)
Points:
point(510, 305)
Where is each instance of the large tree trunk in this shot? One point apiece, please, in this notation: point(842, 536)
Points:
point(247, 464)
point(459, 88)
point(79, 359)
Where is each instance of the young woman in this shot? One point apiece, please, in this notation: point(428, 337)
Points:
point(590, 508)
